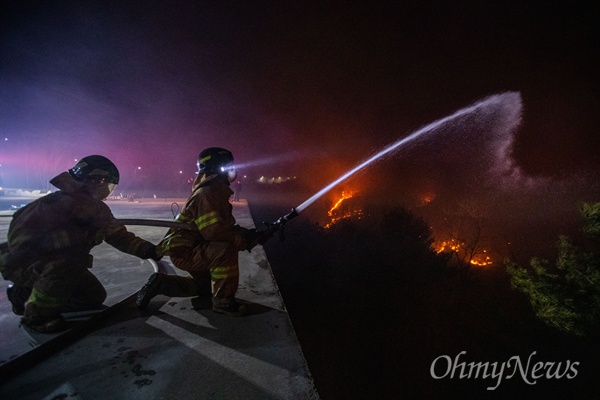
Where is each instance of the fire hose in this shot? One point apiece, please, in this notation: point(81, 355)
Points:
point(260, 237)
point(271, 227)
point(154, 222)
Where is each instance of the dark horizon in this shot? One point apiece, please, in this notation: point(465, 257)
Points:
point(320, 86)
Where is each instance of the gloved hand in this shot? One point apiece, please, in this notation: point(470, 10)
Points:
point(153, 252)
point(254, 237)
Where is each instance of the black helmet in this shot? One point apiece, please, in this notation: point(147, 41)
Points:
point(95, 168)
point(211, 160)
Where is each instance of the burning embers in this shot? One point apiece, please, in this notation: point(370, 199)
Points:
point(478, 257)
point(464, 252)
point(343, 209)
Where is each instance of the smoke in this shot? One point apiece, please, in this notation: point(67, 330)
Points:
point(465, 166)
point(477, 135)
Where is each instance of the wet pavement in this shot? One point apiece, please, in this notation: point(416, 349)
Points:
point(173, 350)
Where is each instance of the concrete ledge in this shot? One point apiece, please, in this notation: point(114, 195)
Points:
point(173, 351)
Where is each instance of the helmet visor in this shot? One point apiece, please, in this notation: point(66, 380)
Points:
point(104, 190)
point(111, 188)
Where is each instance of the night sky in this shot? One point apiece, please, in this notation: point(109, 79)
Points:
point(312, 87)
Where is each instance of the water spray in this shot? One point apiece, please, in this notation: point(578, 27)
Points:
point(280, 223)
point(429, 128)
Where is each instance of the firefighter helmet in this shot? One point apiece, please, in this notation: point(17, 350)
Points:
point(213, 160)
point(96, 168)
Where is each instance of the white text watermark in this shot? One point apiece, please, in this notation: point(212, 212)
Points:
point(530, 370)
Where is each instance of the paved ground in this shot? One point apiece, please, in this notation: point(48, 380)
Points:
point(172, 351)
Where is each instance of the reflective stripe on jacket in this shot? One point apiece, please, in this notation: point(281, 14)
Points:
point(69, 221)
point(209, 209)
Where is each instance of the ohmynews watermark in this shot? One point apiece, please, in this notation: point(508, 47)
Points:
point(446, 367)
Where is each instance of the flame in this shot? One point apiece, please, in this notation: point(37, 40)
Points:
point(339, 202)
point(336, 214)
point(427, 198)
point(450, 247)
point(454, 246)
point(482, 260)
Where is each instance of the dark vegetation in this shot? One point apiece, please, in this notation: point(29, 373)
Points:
point(373, 306)
point(566, 294)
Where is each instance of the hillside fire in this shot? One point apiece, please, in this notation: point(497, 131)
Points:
point(478, 258)
point(343, 209)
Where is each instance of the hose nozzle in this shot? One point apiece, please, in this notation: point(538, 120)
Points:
point(291, 215)
point(272, 227)
point(280, 224)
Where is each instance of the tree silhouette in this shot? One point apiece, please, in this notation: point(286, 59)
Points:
point(463, 236)
point(566, 295)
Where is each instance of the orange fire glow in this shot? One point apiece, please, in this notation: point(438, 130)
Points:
point(339, 202)
point(453, 246)
point(338, 212)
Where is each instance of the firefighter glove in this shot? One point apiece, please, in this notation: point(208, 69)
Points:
point(153, 252)
point(254, 238)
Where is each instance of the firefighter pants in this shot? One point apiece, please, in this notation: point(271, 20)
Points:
point(58, 285)
point(213, 267)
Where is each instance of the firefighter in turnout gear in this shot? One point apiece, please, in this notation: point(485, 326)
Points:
point(210, 254)
point(47, 256)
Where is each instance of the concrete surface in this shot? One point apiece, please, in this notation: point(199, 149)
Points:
point(170, 351)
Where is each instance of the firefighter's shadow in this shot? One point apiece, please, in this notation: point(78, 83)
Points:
point(261, 325)
point(204, 306)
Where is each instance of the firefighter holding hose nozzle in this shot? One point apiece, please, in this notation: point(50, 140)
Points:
point(210, 253)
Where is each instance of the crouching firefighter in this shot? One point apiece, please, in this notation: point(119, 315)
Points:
point(47, 256)
point(210, 253)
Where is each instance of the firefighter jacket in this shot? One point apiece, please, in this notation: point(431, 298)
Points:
point(209, 209)
point(69, 222)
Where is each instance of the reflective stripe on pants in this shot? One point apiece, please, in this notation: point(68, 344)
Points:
point(217, 259)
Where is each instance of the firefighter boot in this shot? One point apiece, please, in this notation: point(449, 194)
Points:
point(18, 295)
point(168, 285)
point(231, 308)
point(149, 290)
point(223, 291)
point(43, 320)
